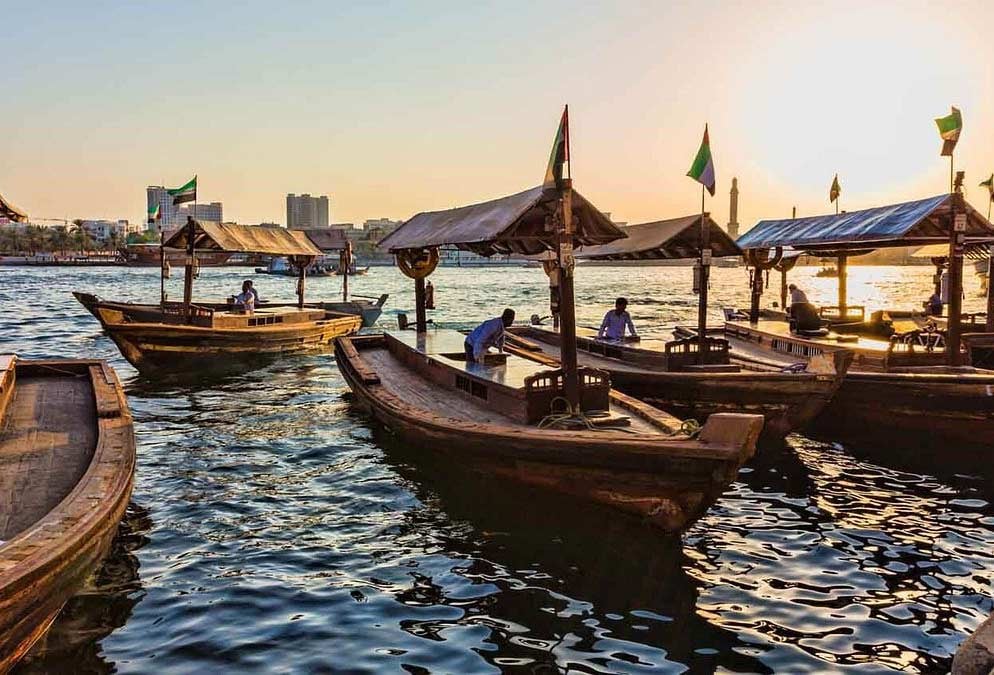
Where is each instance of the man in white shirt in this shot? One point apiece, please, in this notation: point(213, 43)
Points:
point(248, 298)
point(615, 321)
point(803, 314)
point(488, 334)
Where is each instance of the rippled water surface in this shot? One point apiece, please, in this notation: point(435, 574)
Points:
point(273, 528)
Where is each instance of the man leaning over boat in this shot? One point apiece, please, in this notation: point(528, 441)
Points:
point(488, 334)
point(615, 321)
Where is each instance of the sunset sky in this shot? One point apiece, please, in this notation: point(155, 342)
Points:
point(397, 107)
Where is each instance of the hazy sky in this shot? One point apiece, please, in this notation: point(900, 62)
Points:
point(397, 107)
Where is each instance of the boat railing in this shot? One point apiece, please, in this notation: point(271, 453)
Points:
point(853, 313)
point(979, 349)
point(681, 354)
point(544, 387)
point(178, 312)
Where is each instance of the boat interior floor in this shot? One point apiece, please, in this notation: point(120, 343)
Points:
point(47, 440)
point(411, 388)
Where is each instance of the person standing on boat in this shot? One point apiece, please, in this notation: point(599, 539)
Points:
point(614, 323)
point(248, 298)
point(488, 334)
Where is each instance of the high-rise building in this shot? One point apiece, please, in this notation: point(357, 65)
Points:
point(733, 210)
point(304, 211)
point(173, 216)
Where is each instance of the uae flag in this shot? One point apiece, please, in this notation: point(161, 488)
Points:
point(187, 193)
point(154, 213)
point(989, 184)
point(835, 190)
point(702, 170)
point(949, 129)
point(560, 154)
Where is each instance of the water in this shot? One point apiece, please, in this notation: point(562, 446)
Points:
point(273, 528)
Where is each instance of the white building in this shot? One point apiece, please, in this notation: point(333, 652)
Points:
point(103, 230)
point(306, 212)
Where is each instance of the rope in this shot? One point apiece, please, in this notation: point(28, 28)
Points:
point(570, 417)
point(690, 427)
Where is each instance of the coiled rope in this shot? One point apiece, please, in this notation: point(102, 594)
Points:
point(572, 418)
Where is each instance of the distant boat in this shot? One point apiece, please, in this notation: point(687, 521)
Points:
point(280, 267)
point(828, 272)
point(149, 255)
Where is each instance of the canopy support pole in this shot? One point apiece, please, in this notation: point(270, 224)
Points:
point(841, 266)
point(301, 280)
point(162, 267)
point(567, 307)
point(783, 288)
point(345, 265)
point(756, 286)
point(953, 328)
point(419, 301)
point(702, 298)
point(191, 231)
point(989, 327)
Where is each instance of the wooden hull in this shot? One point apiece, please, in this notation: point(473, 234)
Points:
point(367, 310)
point(157, 346)
point(667, 480)
point(788, 402)
point(911, 407)
point(47, 563)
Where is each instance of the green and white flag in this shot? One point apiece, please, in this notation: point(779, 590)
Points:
point(187, 193)
point(702, 170)
point(559, 154)
point(949, 130)
point(989, 184)
point(154, 213)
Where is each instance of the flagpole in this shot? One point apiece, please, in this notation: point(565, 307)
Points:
point(951, 172)
point(702, 298)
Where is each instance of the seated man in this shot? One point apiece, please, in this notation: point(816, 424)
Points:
point(615, 321)
point(803, 314)
point(248, 298)
point(934, 305)
point(488, 334)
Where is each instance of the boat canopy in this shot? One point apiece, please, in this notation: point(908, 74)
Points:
point(11, 212)
point(925, 221)
point(233, 238)
point(973, 251)
point(514, 224)
point(664, 239)
point(327, 238)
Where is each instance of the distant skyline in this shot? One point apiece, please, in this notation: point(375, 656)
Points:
point(392, 108)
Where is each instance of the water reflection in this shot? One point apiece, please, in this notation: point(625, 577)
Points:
point(105, 603)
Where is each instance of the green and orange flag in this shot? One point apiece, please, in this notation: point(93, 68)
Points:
point(950, 127)
point(559, 155)
point(702, 170)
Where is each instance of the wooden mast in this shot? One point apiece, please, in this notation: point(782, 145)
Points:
point(419, 301)
point(957, 234)
point(191, 231)
point(345, 264)
point(567, 307)
point(301, 280)
point(702, 297)
point(989, 327)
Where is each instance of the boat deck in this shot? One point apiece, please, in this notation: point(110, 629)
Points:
point(831, 341)
point(47, 440)
point(409, 385)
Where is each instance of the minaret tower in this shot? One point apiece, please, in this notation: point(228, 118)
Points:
point(733, 211)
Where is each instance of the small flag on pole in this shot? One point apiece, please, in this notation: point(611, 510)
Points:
point(702, 170)
point(989, 184)
point(835, 190)
point(559, 155)
point(949, 129)
point(154, 213)
point(187, 193)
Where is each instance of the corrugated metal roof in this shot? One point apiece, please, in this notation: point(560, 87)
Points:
point(918, 222)
point(675, 238)
point(513, 224)
point(245, 239)
point(11, 212)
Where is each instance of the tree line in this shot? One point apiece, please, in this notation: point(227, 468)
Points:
point(63, 239)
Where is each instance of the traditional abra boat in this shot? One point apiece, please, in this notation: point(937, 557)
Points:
point(182, 335)
point(920, 386)
point(67, 459)
point(678, 375)
point(560, 428)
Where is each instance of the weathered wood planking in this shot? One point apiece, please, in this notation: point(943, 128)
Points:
point(669, 480)
point(787, 401)
point(47, 561)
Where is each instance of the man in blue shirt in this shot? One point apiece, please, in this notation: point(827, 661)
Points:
point(488, 334)
point(615, 321)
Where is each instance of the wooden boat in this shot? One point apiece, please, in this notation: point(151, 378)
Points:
point(651, 371)
point(67, 459)
point(353, 271)
point(912, 388)
point(486, 417)
point(149, 255)
point(185, 335)
point(827, 272)
point(368, 309)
